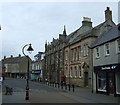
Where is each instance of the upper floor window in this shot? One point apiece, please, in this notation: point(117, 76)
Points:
point(79, 51)
point(118, 45)
point(85, 50)
point(71, 54)
point(97, 52)
point(66, 55)
point(107, 49)
point(71, 72)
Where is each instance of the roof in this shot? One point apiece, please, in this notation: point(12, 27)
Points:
point(110, 35)
point(13, 59)
point(80, 37)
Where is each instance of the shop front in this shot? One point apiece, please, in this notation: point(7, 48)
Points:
point(108, 79)
point(36, 75)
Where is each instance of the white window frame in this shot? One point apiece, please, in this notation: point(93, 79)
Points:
point(107, 49)
point(97, 52)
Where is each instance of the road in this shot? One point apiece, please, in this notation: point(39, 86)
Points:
point(39, 93)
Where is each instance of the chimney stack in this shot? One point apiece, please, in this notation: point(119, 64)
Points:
point(4, 57)
point(86, 22)
point(108, 14)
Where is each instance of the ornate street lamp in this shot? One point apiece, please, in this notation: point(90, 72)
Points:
point(30, 49)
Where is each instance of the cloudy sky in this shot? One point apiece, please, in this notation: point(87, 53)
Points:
point(36, 22)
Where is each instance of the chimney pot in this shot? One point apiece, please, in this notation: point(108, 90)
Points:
point(4, 57)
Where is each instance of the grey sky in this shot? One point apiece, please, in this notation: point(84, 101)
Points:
point(36, 22)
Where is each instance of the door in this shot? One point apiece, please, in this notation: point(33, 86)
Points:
point(85, 79)
point(111, 81)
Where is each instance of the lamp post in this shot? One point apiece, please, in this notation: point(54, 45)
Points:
point(30, 49)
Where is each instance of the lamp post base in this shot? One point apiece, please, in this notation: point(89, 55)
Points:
point(27, 96)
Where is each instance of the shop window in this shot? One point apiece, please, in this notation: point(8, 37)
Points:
point(101, 82)
point(118, 82)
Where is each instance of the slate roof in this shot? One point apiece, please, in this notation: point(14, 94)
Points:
point(81, 36)
point(13, 60)
point(112, 34)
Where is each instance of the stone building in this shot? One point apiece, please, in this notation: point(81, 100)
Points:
point(16, 66)
point(37, 69)
point(54, 58)
point(74, 64)
point(106, 62)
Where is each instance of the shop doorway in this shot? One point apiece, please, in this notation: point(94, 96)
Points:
point(111, 81)
point(85, 79)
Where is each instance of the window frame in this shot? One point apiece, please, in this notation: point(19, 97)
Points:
point(97, 52)
point(107, 49)
point(117, 46)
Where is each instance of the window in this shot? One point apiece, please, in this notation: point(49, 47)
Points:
point(71, 72)
point(97, 52)
point(75, 71)
point(80, 71)
point(101, 82)
point(118, 82)
point(85, 50)
point(118, 45)
point(80, 52)
point(76, 54)
point(66, 55)
point(72, 55)
point(107, 49)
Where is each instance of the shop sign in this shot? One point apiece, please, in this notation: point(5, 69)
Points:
point(36, 71)
point(109, 67)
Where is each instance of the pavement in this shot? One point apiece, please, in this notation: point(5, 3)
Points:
point(81, 95)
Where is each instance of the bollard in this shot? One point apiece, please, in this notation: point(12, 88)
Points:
point(69, 87)
point(55, 84)
point(58, 85)
point(65, 86)
point(61, 85)
point(73, 86)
